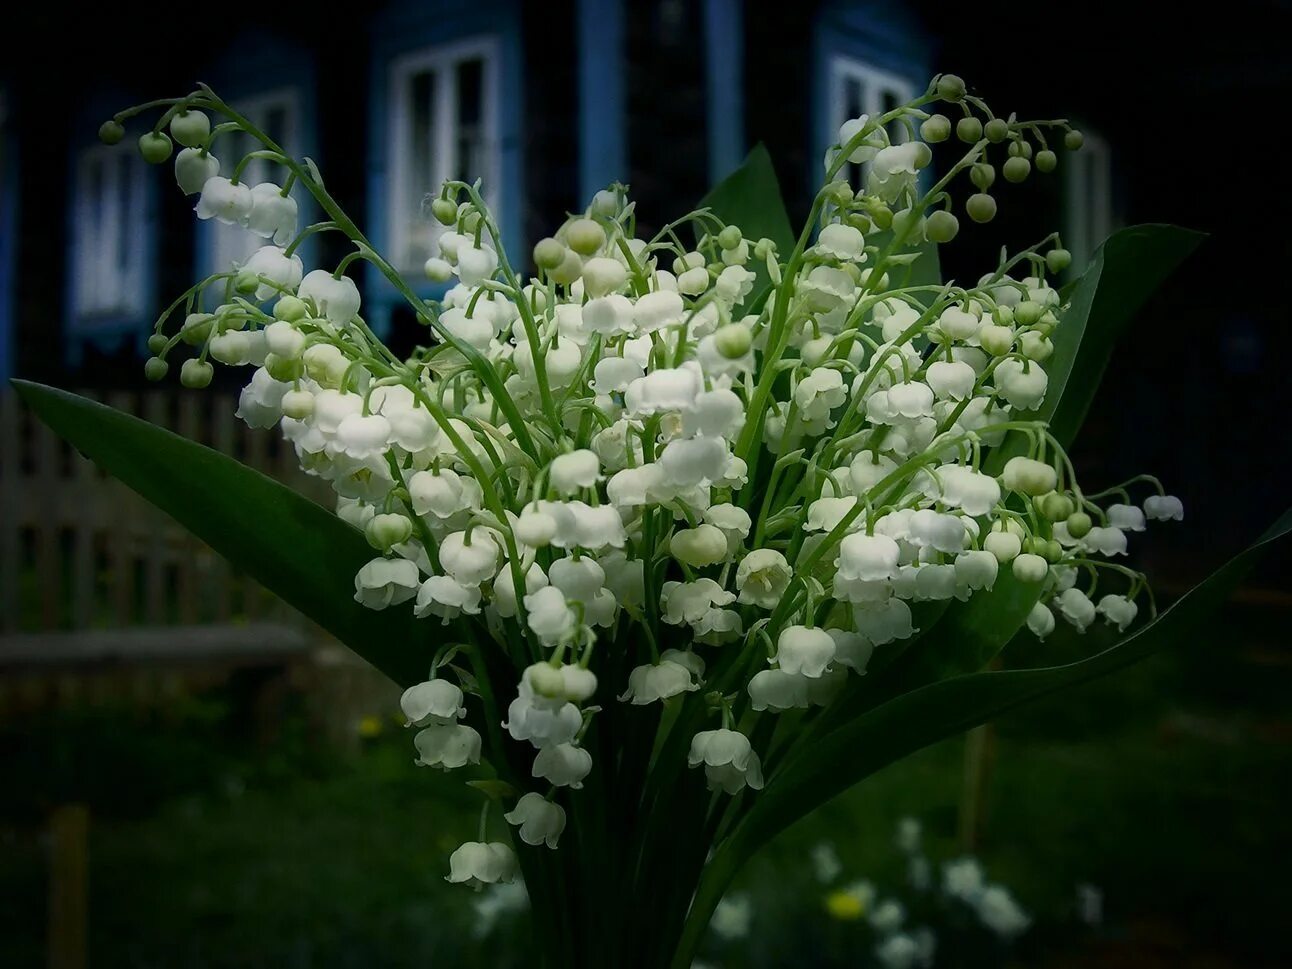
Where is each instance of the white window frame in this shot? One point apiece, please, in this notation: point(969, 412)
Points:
point(875, 83)
point(226, 245)
point(406, 190)
point(109, 272)
point(1087, 198)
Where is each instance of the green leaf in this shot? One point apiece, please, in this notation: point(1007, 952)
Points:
point(297, 550)
point(750, 197)
point(1124, 272)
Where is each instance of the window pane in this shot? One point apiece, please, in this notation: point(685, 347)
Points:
point(470, 118)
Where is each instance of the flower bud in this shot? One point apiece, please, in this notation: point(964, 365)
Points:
point(1053, 551)
point(1028, 476)
point(445, 211)
point(700, 546)
point(996, 130)
point(605, 203)
point(982, 175)
point(585, 237)
point(969, 129)
point(937, 128)
point(546, 681)
point(1055, 506)
point(155, 368)
point(290, 308)
point(1073, 140)
point(1006, 546)
point(285, 369)
point(548, 254)
point(196, 374)
point(196, 328)
point(1016, 169)
point(438, 270)
point(190, 128)
point(941, 226)
point(1029, 567)
point(1003, 315)
point(733, 340)
point(996, 340)
point(1046, 161)
point(298, 404)
point(155, 147)
point(950, 87)
point(569, 270)
point(1028, 312)
point(1058, 260)
point(1079, 524)
point(384, 531)
point(284, 340)
point(157, 343)
point(245, 282)
point(111, 132)
point(730, 237)
point(1035, 346)
point(981, 207)
point(1020, 148)
point(922, 154)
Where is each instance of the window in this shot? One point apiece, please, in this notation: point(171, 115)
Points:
point(1087, 199)
point(443, 124)
point(855, 88)
point(277, 114)
point(110, 223)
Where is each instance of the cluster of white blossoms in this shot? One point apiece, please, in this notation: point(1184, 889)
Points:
point(770, 462)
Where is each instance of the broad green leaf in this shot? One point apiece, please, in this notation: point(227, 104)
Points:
point(297, 550)
point(942, 709)
point(1124, 272)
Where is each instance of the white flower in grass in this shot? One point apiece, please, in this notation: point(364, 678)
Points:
point(664, 390)
point(193, 169)
point(777, 690)
point(337, 299)
point(447, 745)
point(963, 879)
point(505, 601)
point(804, 650)
point(868, 469)
point(1117, 611)
point(1075, 606)
point(695, 461)
point(434, 701)
point(869, 145)
point(732, 918)
point(931, 529)
point(999, 912)
point(1128, 518)
point(965, 488)
point(730, 763)
point(446, 597)
point(887, 916)
point(563, 765)
point(479, 863)
point(540, 821)
point(386, 582)
point(716, 413)
point(1164, 508)
point(224, 201)
point(273, 214)
point(762, 578)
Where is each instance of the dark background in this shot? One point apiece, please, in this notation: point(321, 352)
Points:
point(230, 826)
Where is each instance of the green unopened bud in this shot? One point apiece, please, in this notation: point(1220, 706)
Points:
point(996, 130)
point(444, 211)
point(733, 340)
point(730, 237)
point(157, 343)
point(298, 404)
point(570, 269)
point(1073, 140)
point(1028, 312)
point(1020, 148)
point(1079, 524)
point(291, 309)
point(951, 87)
point(1030, 567)
point(1055, 506)
point(700, 546)
point(936, 128)
point(1027, 476)
point(284, 368)
point(881, 215)
point(111, 132)
point(197, 328)
point(190, 128)
point(923, 154)
point(585, 237)
point(437, 270)
point(548, 253)
point(384, 531)
point(155, 368)
point(1046, 161)
point(1053, 551)
point(155, 147)
point(245, 282)
point(996, 340)
point(941, 226)
point(605, 204)
point(545, 680)
point(196, 374)
point(1016, 169)
point(983, 176)
point(471, 221)
point(969, 129)
point(1058, 260)
point(981, 207)
point(1003, 315)
point(1035, 346)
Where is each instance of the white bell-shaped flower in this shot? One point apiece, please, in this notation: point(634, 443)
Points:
point(777, 690)
point(273, 214)
point(362, 437)
point(550, 616)
point(1105, 540)
point(884, 622)
point(1040, 621)
point(1075, 606)
point(386, 582)
point(762, 578)
point(446, 597)
point(434, 701)
point(852, 650)
point(841, 241)
point(224, 201)
point(470, 561)
point(1128, 518)
point(804, 650)
point(1022, 383)
point(1164, 508)
point(1117, 611)
point(572, 472)
point(476, 264)
point(976, 569)
point(279, 272)
point(540, 821)
point(730, 763)
point(690, 602)
point(563, 765)
point(951, 379)
point(655, 311)
point(540, 721)
point(478, 863)
point(193, 169)
point(676, 672)
point(337, 299)
point(868, 556)
point(447, 745)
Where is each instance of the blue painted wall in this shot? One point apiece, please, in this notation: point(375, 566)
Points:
point(724, 29)
point(603, 106)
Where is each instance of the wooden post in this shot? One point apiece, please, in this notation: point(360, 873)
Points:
point(68, 883)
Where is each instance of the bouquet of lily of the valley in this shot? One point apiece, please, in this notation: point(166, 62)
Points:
point(674, 535)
